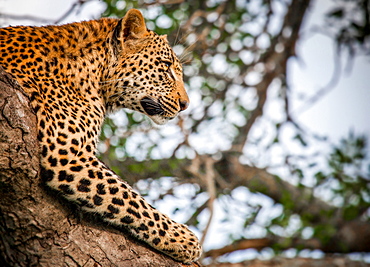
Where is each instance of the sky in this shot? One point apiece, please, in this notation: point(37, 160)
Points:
point(347, 105)
point(344, 108)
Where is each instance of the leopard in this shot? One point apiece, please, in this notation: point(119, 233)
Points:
point(74, 75)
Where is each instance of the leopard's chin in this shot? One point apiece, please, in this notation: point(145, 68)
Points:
point(160, 120)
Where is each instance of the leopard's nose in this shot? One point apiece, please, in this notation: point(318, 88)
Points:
point(183, 104)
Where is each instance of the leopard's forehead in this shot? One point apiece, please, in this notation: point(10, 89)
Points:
point(156, 51)
point(160, 47)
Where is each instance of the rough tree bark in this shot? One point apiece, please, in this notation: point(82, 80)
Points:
point(37, 228)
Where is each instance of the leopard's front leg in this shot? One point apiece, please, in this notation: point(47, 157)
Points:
point(97, 189)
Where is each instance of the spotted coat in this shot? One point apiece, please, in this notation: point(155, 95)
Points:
point(74, 74)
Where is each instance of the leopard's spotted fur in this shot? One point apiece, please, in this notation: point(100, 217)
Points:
point(74, 74)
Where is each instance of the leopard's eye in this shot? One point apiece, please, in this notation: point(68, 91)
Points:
point(167, 65)
point(167, 68)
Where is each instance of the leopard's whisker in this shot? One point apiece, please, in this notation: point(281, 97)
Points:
point(187, 51)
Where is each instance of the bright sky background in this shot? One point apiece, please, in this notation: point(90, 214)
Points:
point(345, 107)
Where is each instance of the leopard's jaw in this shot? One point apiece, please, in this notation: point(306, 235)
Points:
point(62, 68)
point(160, 120)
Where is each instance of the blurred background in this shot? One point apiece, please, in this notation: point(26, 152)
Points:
point(271, 159)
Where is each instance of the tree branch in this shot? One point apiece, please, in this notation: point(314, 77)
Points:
point(333, 261)
point(351, 236)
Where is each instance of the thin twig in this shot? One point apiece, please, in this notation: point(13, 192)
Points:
point(325, 89)
point(44, 20)
point(26, 17)
point(211, 188)
point(70, 10)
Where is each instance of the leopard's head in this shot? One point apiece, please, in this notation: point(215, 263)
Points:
point(145, 73)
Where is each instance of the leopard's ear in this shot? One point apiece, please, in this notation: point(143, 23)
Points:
point(133, 25)
point(130, 30)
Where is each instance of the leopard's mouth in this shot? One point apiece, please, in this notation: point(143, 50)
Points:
point(151, 107)
point(155, 110)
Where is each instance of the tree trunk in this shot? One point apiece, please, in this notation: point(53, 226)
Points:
point(37, 229)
